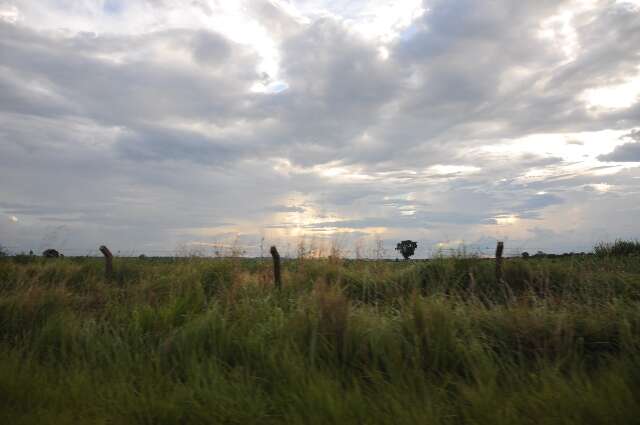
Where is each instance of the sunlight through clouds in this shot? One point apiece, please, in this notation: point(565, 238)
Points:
point(618, 96)
point(502, 220)
point(9, 13)
point(166, 121)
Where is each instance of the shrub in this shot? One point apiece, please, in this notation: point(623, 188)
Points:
point(619, 248)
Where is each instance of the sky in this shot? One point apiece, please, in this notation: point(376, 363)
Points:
point(166, 126)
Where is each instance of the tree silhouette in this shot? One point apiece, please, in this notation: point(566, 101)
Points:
point(407, 248)
point(50, 253)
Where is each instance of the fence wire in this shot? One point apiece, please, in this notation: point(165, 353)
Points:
point(294, 251)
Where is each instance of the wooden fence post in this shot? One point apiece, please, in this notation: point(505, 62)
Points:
point(277, 278)
point(108, 261)
point(499, 250)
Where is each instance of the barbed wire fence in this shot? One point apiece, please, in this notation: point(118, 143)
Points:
point(290, 250)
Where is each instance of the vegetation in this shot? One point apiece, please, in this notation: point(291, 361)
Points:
point(618, 248)
point(204, 341)
point(407, 248)
point(50, 253)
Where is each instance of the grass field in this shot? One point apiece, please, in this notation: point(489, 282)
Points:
point(210, 341)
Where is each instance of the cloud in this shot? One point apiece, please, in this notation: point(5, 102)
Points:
point(164, 122)
point(539, 201)
point(155, 143)
point(628, 152)
point(284, 209)
point(419, 220)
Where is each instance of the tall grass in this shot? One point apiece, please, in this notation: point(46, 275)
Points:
point(211, 341)
point(618, 248)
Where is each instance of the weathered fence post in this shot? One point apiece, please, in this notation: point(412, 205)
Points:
point(277, 278)
point(499, 250)
point(472, 282)
point(108, 261)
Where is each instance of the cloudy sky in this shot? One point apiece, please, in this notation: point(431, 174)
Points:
point(160, 125)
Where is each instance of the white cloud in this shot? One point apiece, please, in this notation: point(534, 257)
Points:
point(9, 13)
point(618, 96)
point(162, 122)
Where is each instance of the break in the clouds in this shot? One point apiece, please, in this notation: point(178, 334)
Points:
point(149, 125)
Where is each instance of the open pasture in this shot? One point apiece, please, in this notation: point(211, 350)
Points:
point(199, 341)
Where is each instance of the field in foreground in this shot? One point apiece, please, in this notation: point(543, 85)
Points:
point(207, 341)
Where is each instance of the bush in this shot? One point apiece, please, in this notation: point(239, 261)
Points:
point(619, 248)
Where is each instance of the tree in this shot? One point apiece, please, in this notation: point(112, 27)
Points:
point(407, 248)
point(50, 253)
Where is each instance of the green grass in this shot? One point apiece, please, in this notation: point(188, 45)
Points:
point(199, 341)
point(618, 248)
